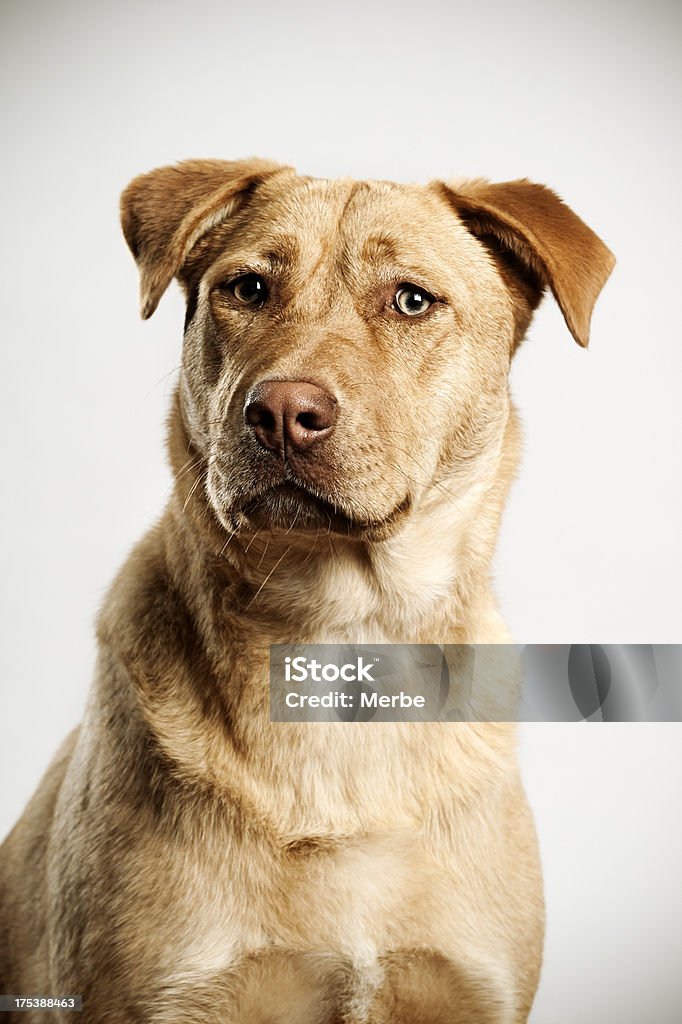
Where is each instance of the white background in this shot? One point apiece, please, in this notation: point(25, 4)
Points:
point(583, 97)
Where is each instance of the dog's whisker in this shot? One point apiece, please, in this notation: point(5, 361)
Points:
point(268, 577)
point(230, 537)
point(293, 522)
point(161, 379)
point(312, 548)
point(264, 553)
point(188, 468)
point(255, 537)
point(192, 489)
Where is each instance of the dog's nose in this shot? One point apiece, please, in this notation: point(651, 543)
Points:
point(289, 414)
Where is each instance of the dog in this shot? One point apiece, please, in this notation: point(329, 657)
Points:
point(342, 440)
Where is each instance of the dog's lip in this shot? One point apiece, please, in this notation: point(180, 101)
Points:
point(334, 511)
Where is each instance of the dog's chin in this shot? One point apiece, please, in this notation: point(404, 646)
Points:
point(295, 510)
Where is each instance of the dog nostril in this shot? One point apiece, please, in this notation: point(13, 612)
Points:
point(258, 415)
point(311, 421)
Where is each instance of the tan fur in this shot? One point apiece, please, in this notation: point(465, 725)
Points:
point(185, 859)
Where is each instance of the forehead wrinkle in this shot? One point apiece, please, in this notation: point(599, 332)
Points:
point(302, 223)
point(282, 252)
point(380, 247)
point(329, 230)
point(273, 255)
point(391, 261)
point(356, 186)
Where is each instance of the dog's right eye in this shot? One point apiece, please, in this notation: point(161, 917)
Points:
point(249, 289)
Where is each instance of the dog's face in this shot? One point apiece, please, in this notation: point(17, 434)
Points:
point(347, 344)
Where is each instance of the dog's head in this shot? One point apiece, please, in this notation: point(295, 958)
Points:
point(347, 344)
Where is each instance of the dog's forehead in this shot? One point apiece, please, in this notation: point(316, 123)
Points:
point(315, 204)
point(376, 218)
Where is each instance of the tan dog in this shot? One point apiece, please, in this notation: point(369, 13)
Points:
point(342, 440)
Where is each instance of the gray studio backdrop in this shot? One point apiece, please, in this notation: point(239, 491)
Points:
point(581, 96)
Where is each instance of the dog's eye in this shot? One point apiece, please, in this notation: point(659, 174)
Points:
point(250, 290)
point(412, 300)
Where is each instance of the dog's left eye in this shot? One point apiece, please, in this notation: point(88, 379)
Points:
point(249, 289)
point(412, 300)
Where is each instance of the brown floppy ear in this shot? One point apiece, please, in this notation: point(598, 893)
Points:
point(164, 213)
point(549, 243)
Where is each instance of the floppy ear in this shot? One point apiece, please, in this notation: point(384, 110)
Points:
point(164, 213)
point(548, 244)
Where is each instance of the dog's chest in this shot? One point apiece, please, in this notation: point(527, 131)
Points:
point(316, 893)
point(305, 917)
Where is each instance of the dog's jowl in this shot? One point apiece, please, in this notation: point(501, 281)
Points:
point(342, 441)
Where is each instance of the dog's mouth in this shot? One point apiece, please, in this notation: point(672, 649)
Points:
point(292, 507)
